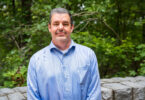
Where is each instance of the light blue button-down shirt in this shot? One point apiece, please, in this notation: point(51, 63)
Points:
point(69, 75)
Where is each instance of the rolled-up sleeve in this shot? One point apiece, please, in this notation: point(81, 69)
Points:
point(94, 90)
point(32, 87)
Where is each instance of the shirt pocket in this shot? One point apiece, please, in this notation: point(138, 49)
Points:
point(83, 72)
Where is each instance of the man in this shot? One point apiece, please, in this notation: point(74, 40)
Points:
point(63, 70)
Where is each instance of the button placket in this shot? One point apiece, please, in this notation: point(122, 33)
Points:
point(67, 82)
point(65, 74)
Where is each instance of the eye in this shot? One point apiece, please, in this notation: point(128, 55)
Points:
point(55, 24)
point(65, 24)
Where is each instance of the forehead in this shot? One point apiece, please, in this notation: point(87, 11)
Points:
point(60, 17)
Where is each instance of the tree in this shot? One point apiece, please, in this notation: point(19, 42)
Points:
point(114, 29)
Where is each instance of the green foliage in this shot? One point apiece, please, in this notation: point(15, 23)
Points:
point(16, 77)
point(114, 60)
point(141, 58)
point(14, 69)
point(115, 30)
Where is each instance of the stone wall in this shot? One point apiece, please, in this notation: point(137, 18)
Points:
point(129, 88)
point(18, 93)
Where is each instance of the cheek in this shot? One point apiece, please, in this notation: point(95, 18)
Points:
point(54, 29)
point(68, 29)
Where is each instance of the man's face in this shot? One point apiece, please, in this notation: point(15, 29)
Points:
point(60, 27)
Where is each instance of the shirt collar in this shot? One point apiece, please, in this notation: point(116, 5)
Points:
point(72, 45)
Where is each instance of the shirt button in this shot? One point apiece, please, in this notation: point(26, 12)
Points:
point(67, 90)
point(66, 75)
point(63, 66)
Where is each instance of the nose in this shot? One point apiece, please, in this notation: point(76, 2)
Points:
point(60, 26)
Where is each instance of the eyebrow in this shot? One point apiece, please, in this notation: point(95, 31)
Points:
point(65, 21)
point(62, 22)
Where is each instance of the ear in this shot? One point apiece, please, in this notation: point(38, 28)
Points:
point(72, 28)
point(49, 27)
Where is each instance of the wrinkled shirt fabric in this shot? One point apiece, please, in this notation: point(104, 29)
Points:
point(63, 75)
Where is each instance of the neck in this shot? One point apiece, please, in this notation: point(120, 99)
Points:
point(62, 45)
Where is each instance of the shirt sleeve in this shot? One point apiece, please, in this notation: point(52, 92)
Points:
point(94, 90)
point(32, 88)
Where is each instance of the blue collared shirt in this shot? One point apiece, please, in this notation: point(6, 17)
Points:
point(69, 75)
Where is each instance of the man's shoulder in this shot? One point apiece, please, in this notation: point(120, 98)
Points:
point(84, 49)
point(41, 52)
point(84, 53)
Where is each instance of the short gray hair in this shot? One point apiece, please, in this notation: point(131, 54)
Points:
point(61, 11)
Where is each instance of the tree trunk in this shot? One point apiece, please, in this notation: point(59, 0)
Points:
point(26, 11)
point(143, 30)
point(13, 4)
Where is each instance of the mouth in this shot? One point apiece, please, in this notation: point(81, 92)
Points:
point(60, 33)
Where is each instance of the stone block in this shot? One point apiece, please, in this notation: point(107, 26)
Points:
point(137, 89)
point(25, 94)
point(21, 89)
point(140, 78)
point(117, 79)
point(102, 83)
point(6, 91)
point(141, 83)
point(120, 92)
point(16, 96)
point(131, 79)
point(3, 98)
point(107, 94)
point(107, 81)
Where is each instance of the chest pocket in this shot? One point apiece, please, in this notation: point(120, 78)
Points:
point(83, 72)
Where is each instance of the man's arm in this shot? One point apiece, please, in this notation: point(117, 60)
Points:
point(32, 88)
point(94, 90)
